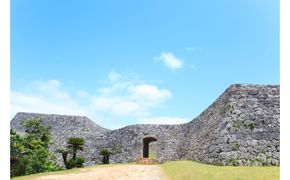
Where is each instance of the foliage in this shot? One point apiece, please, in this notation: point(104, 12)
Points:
point(64, 153)
point(75, 144)
point(77, 162)
point(18, 151)
point(106, 152)
point(36, 130)
point(233, 162)
point(29, 153)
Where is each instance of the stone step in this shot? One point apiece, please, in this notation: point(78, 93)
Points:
point(146, 161)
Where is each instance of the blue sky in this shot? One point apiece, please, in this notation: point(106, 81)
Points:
point(127, 62)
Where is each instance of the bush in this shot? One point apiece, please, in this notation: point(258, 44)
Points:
point(19, 167)
point(233, 162)
point(75, 144)
point(76, 163)
point(51, 166)
point(29, 153)
point(106, 154)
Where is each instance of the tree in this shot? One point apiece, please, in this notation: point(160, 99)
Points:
point(75, 144)
point(29, 153)
point(64, 153)
point(18, 154)
point(106, 152)
point(35, 129)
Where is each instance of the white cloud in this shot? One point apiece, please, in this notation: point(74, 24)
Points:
point(121, 99)
point(45, 97)
point(149, 93)
point(170, 60)
point(126, 107)
point(115, 105)
point(130, 98)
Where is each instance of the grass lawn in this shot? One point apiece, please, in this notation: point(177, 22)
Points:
point(189, 170)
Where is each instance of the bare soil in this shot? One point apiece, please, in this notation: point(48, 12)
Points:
point(120, 172)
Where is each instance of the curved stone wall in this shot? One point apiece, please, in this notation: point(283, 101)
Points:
point(240, 128)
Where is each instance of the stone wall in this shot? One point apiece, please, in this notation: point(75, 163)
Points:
point(240, 128)
point(64, 127)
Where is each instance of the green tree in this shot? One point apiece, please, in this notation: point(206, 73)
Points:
point(35, 129)
point(106, 152)
point(75, 144)
point(64, 153)
point(29, 153)
point(18, 154)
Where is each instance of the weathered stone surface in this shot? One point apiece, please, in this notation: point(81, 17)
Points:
point(242, 127)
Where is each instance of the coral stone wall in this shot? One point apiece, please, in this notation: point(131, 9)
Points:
point(240, 128)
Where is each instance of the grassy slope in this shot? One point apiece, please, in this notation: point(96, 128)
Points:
point(188, 170)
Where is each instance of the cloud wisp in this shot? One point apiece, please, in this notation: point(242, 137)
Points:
point(120, 101)
point(170, 60)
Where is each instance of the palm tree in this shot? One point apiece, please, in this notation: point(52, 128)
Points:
point(64, 153)
point(106, 153)
point(75, 144)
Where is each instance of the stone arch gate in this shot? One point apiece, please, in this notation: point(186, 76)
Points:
point(146, 142)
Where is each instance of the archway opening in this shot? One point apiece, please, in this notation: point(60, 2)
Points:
point(146, 142)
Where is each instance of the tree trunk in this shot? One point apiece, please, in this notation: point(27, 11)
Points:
point(106, 159)
point(64, 156)
point(74, 153)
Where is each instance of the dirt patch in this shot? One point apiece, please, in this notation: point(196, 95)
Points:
point(120, 172)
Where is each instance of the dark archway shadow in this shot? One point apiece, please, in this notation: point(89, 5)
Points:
point(146, 142)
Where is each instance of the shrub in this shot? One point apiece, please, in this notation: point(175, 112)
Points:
point(75, 144)
point(64, 153)
point(29, 153)
point(233, 162)
point(106, 154)
point(76, 163)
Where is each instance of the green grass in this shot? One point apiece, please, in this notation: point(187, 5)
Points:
point(189, 170)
